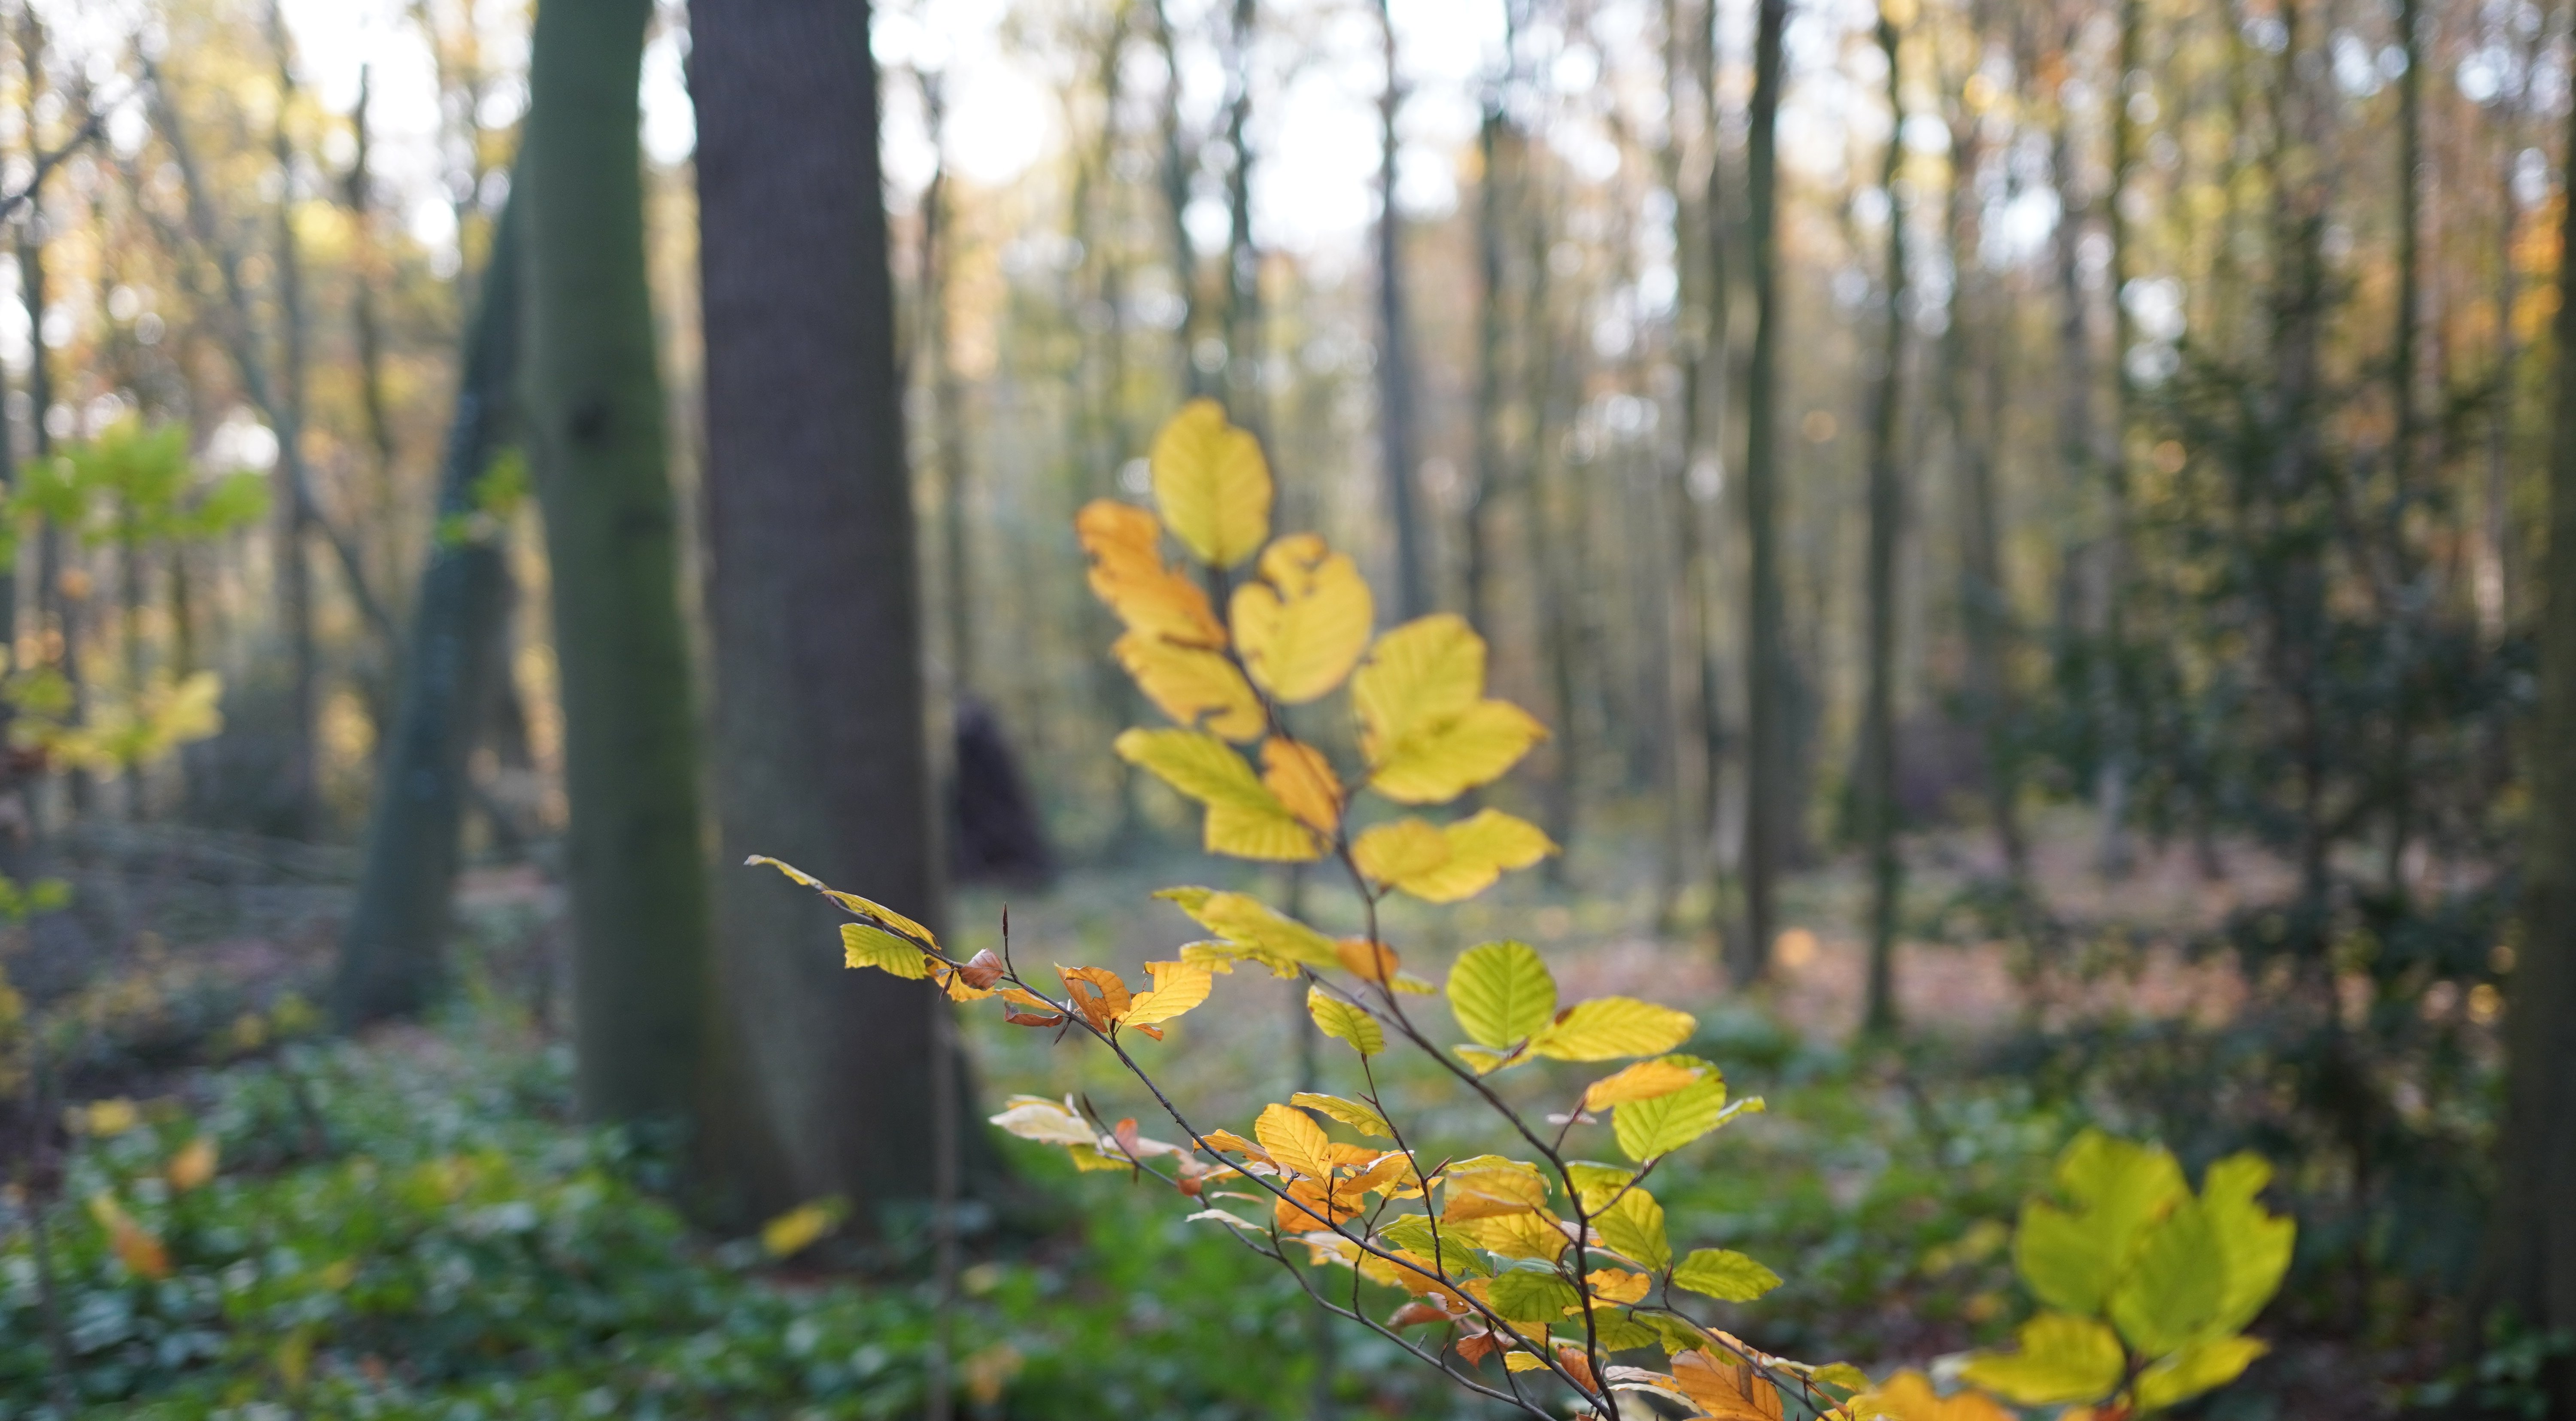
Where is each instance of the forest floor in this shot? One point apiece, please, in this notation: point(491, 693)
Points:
point(1881, 1182)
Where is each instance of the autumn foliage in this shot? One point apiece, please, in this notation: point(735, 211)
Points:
point(1534, 1273)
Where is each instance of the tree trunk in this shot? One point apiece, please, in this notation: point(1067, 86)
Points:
point(293, 571)
point(390, 954)
point(2115, 855)
point(1886, 514)
point(821, 747)
point(947, 410)
point(596, 434)
point(1977, 335)
point(51, 605)
point(1395, 358)
point(1767, 777)
point(1178, 161)
point(2530, 1268)
point(1243, 361)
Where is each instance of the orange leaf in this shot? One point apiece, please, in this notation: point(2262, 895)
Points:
point(193, 1165)
point(1368, 961)
point(1476, 1347)
point(1304, 781)
point(1128, 573)
point(1646, 1080)
point(1096, 992)
point(1416, 1313)
point(134, 1246)
point(1727, 1390)
point(1491, 1193)
point(1574, 1360)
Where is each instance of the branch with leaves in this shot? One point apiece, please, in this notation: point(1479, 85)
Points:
point(1552, 1263)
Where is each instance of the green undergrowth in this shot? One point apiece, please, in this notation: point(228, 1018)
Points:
point(414, 1227)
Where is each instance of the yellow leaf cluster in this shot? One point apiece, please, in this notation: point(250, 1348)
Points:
point(1302, 626)
point(1426, 727)
point(1445, 865)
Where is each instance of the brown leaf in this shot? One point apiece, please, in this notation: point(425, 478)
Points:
point(981, 970)
point(1030, 1018)
point(1416, 1313)
point(1575, 1361)
point(1477, 1346)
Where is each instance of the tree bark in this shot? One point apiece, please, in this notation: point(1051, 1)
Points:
point(1767, 772)
point(293, 570)
point(821, 749)
point(1396, 455)
point(1886, 516)
point(391, 953)
point(2530, 1267)
point(597, 443)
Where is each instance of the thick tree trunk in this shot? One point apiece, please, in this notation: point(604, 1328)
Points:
point(1886, 514)
point(1767, 771)
point(2531, 1258)
point(390, 954)
point(821, 746)
point(595, 423)
point(1395, 356)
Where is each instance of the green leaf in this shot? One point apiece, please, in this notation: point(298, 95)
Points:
point(1530, 1296)
point(1341, 1021)
point(2072, 1258)
point(1618, 1332)
point(1648, 1128)
point(2255, 1242)
point(867, 945)
point(2174, 1285)
point(1415, 1233)
point(1678, 1336)
point(2206, 1364)
point(1594, 1184)
point(1724, 1274)
point(2062, 1360)
point(1633, 1228)
point(1359, 1115)
point(1502, 994)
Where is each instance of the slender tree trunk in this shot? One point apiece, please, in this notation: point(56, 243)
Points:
point(1475, 549)
point(1973, 345)
point(390, 954)
point(822, 754)
point(2115, 855)
point(1243, 338)
point(1395, 356)
point(2530, 1264)
point(2398, 775)
point(596, 432)
point(1178, 161)
point(55, 612)
point(1768, 779)
point(302, 788)
point(1886, 517)
point(947, 410)
point(358, 191)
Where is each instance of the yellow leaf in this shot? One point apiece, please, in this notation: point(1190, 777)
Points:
point(799, 1228)
point(1255, 930)
point(1212, 485)
point(106, 1117)
point(878, 913)
point(1447, 864)
point(1418, 676)
point(1302, 626)
point(1178, 986)
point(1128, 573)
point(1520, 1361)
point(1645, 1080)
point(193, 1165)
point(1726, 1389)
point(1473, 749)
point(866, 945)
point(1342, 1021)
point(1618, 1285)
point(1304, 781)
point(1293, 1140)
point(1096, 992)
point(1244, 818)
point(1534, 1234)
point(1192, 685)
point(1908, 1396)
point(1606, 1028)
point(1489, 1193)
point(1356, 1114)
point(1391, 853)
